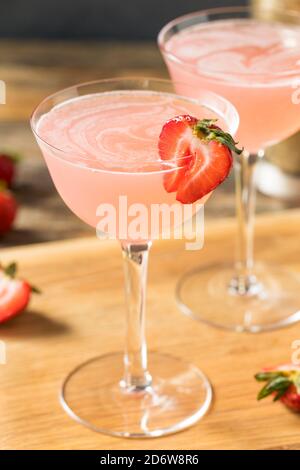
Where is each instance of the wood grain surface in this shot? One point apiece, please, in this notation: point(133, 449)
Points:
point(80, 315)
point(34, 69)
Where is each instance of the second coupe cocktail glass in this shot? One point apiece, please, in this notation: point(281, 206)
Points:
point(255, 64)
point(100, 143)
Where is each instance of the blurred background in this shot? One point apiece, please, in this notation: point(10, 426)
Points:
point(96, 19)
point(48, 45)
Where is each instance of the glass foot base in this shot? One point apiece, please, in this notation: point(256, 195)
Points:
point(178, 397)
point(209, 295)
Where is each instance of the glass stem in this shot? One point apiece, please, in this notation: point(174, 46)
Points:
point(244, 282)
point(136, 375)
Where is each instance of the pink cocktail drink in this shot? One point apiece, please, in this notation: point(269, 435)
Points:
point(109, 143)
point(131, 138)
point(252, 63)
point(255, 63)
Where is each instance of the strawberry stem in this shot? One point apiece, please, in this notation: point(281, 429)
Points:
point(207, 130)
point(11, 270)
point(35, 289)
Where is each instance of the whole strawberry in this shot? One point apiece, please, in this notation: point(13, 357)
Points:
point(283, 382)
point(7, 168)
point(8, 210)
point(15, 293)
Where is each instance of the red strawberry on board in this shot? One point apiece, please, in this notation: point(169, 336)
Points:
point(202, 153)
point(7, 168)
point(283, 382)
point(15, 293)
point(8, 210)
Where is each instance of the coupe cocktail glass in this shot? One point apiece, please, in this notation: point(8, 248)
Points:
point(100, 142)
point(255, 64)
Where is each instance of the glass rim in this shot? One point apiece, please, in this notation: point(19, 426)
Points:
point(161, 41)
point(196, 101)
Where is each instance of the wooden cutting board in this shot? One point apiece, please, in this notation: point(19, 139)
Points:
point(80, 315)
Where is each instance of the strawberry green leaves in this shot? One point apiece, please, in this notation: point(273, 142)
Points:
point(283, 383)
point(207, 130)
point(277, 384)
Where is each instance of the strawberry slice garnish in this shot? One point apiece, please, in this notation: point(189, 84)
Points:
point(283, 382)
point(201, 153)
point(15, 293)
